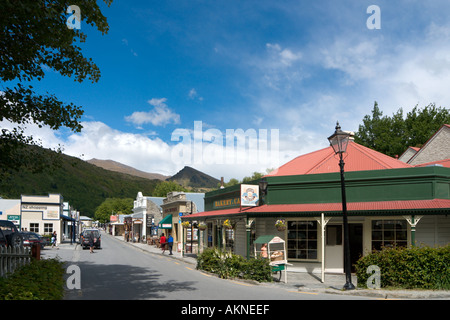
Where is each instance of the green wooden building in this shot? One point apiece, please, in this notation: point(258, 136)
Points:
point(390, 203)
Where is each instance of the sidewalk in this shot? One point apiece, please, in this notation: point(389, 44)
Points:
point(311, 283)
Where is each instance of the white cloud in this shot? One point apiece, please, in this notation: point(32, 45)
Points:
point(194, 95)
point(160, 115)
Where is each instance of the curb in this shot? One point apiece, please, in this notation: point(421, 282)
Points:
point(384, 294)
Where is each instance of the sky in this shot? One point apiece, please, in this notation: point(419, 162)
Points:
point(183, 82)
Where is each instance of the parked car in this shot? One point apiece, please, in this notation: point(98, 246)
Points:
point(85, 238)
point(9, 235)
point(29, 238)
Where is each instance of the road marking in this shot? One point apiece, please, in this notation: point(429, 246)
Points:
point(189, 268)
point(314, 293)
point(205, 274)
point(243, 284)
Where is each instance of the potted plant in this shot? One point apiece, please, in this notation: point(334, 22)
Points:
point(280, 224)
point(202, 226)
point(227, 224)
point(185, 224)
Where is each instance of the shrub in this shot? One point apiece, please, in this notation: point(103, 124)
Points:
point(228, 265)
point(408, 268)
point(38, 280)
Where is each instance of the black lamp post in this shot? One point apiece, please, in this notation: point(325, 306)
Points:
point(339, 142)
point(263, 186)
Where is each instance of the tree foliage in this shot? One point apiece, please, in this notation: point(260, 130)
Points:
point(113, 206)
point(34, 37)
point(393, 135)
point(164, 187)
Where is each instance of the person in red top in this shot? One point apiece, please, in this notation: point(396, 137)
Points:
point(162, 242)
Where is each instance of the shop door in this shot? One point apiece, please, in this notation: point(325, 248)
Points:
point(334, 249)
point(355, 231)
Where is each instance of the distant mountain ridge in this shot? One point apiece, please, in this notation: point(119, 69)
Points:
point(84, 185)
point(122, 168)
point(190, 177)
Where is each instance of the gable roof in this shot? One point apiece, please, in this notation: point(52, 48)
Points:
point(357, 158)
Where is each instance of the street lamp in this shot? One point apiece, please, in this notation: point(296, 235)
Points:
point(339, 141)
point(263, 186)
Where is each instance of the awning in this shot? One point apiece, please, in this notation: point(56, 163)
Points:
point(166, 223)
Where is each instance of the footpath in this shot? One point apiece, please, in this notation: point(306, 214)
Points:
point(311, 283)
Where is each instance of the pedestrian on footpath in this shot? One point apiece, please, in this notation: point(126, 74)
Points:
point(170, 243)
point(162, 242)
point(54, 236)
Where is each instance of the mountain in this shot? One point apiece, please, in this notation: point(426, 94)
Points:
point(190, 177)
point(120, 167)
point(85, 186)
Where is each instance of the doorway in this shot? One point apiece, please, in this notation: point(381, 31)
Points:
point(334, 249)
point(355, 231)
point(334, 246)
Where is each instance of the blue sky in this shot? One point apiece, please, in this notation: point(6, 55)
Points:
point(291, 66)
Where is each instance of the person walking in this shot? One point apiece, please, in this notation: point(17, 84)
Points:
point(162, 242)
point(170, 243)
point(54, 236)
point(91, 242)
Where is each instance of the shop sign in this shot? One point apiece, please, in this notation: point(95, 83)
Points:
point(227, 203)
point(249, 195)
point(14, 219)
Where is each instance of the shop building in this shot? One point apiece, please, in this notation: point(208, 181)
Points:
point(10, 210)
point(43, 214)
point(389, 203)
point(147, 213)
point(175, 206)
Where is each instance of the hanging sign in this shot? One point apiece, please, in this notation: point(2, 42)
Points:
point(249, 195)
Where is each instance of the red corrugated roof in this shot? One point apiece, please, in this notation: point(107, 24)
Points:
point(444, 163)
point(357, 158)
point(331, 207)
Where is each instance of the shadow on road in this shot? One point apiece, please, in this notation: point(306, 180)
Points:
point(123, 282)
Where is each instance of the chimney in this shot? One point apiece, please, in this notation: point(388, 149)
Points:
point(221, 183)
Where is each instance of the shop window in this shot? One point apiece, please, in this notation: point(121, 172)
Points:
point(389, 233)
point(48, 228)
point(229, 239)
point(34, 227)
point(210, 235)
point(302, 240)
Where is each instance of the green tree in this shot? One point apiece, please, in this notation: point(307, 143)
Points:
point(393, 135)
point(164, 187)
point(34, 37)
point(113, 206)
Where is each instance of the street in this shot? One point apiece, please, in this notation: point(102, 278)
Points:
point(120, 271)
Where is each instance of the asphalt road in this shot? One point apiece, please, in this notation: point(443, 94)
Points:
point(121, 272)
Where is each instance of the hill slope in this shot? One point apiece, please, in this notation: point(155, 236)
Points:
point(120, 167)
point(83, 185)
point(190, 177)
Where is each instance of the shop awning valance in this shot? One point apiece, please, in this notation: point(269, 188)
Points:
point(166, 223)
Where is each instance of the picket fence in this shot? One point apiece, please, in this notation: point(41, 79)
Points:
point(12, 258)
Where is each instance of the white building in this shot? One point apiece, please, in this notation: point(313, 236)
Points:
point(43, 214)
